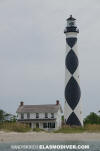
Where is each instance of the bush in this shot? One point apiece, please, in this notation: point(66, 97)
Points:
point(93, 118)
point(37, 129)
point(14, 126)
point(6, 117)
point(1, 115)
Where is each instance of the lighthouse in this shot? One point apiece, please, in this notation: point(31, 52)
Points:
point(72, 92)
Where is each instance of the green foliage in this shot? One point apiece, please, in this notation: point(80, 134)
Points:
point(92, 127)
point(93, 118)
point(6, 117)
point(14, 119)
point(37, 129)
point(68, 129)
point(2, 113)
point(62, 118)
point(91, 124)
point(14, 126)
point(76, 129)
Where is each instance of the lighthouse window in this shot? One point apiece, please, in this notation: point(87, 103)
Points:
point(71, 23)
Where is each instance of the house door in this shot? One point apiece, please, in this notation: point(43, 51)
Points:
point(30, 125)
point(37, 125)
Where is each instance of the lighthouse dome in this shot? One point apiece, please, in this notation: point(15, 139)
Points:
point(71, 25)
point(71, 22)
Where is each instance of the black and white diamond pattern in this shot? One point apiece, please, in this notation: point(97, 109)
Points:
point(72, 93)
point(71, 61)
point(71, 41)
point(72, 107)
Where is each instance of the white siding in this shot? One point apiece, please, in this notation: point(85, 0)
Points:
point(57, 116)
point(33, 115)
point(25, 115)
point(19, 116)
point(59, 119)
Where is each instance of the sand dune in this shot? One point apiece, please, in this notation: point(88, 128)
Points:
point(43, 136)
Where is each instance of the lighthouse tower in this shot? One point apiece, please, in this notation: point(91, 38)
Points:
point(72, 106)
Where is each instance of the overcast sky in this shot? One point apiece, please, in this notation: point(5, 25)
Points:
point(32, 51)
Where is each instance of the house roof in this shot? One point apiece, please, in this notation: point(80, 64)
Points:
point(50, 108)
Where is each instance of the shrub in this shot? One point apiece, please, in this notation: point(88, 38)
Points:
point(37, 129)
point(93, 118)
point(92, 127)
point(14, 126)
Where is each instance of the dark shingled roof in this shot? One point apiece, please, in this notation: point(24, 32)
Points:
point(52, 108)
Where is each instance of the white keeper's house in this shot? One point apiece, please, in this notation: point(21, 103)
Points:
point(47, 117)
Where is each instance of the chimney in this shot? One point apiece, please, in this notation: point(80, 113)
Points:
point(21, 103)
point(57, 102)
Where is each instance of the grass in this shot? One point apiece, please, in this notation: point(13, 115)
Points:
point(19, 127)
point(14, 126)
point(92, 127)
point(76, 129)
point(38, 130)
point(68, 129)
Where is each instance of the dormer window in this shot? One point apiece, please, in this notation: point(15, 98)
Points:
point(52, 115)
point(37, 115)
point(46, 115)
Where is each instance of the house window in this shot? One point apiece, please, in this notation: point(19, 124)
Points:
point(28, 115)
point(49, 125)
point(52, 115)
point(37, 115)
point(46, 115)
point(22, 116)
point(52, 125)
point(45, 125)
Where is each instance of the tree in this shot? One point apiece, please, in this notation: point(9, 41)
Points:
point(7, 117)
point(93, 118)
point(99, 111)
point(2, 113)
